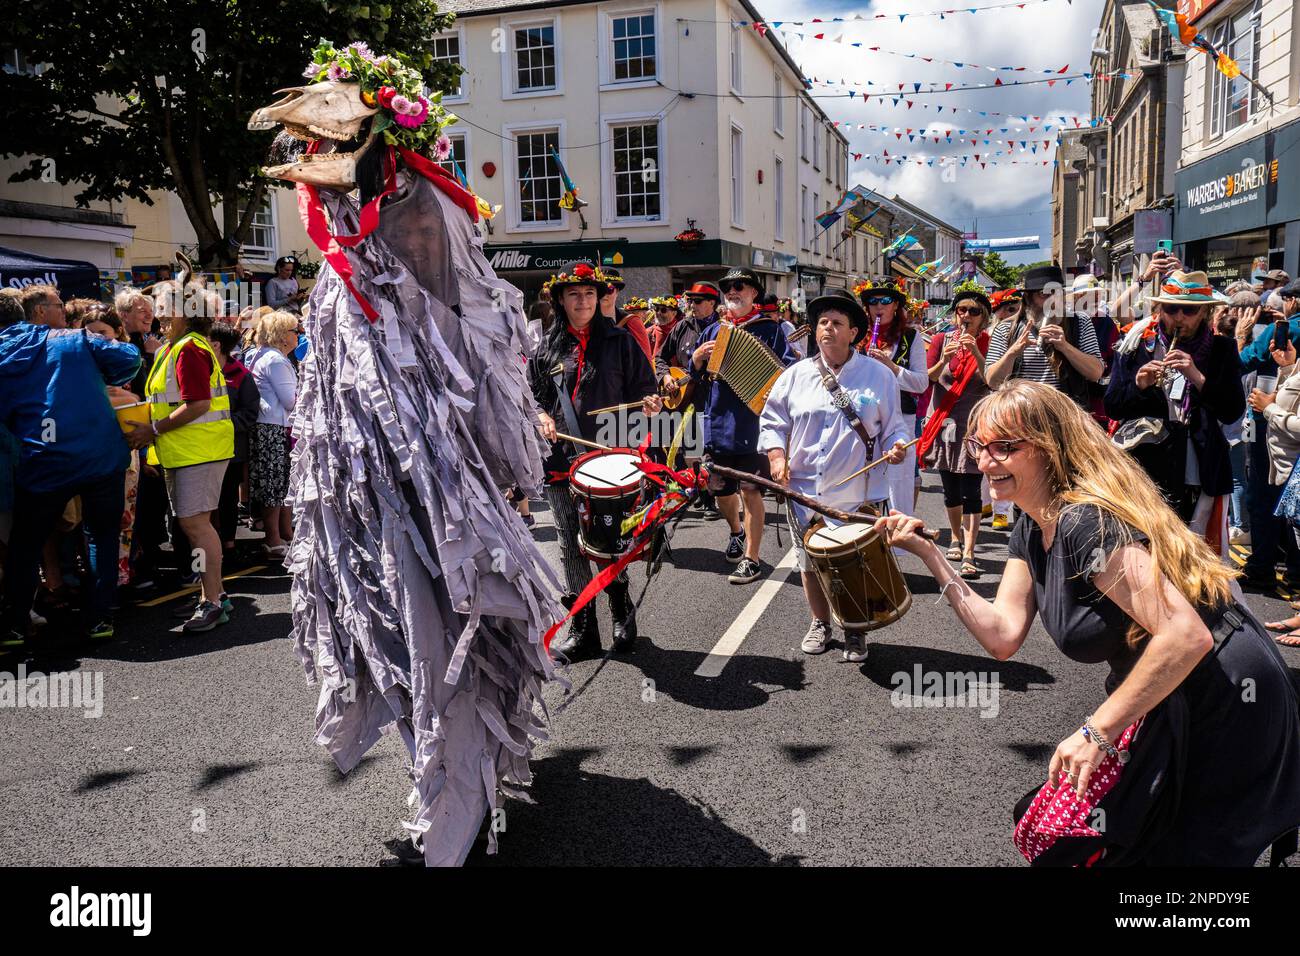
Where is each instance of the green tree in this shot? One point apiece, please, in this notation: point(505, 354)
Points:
point(999, 270)
point(155, 94)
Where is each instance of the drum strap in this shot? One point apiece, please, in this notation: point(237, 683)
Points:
point(840, 399)
point(566, 403)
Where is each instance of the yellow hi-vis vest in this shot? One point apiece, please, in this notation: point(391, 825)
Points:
point(211, 436)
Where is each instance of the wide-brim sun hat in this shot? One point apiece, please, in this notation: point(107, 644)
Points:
point(840, 300)
point(744, 275)
point(1185, 288)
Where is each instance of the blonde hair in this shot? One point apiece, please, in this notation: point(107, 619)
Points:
point(1085, 468)
point(271, 328)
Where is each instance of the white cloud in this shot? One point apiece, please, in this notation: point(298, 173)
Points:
point(1040, 36)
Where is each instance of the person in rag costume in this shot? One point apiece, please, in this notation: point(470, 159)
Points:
point(419, 599)
point(585, 363)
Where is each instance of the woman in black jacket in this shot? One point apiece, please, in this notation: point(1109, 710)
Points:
point(1173, 387)
point(598, 366)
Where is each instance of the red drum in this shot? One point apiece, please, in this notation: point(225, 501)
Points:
point(606, 486)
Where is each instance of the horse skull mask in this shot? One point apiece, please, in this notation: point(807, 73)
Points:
point(330, 112)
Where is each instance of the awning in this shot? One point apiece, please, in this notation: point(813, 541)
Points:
point(72, 278)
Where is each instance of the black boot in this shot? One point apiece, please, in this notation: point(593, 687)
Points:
point(583, 639)
point(620, 603)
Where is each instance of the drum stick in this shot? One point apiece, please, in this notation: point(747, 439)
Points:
point(811, 503)
point(582, 441)
point(863, 471)
point(616, 408)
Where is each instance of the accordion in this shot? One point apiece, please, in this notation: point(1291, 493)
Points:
point(746, 364)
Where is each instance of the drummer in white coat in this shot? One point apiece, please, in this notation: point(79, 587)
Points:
point(902, 352)
point(812, 445)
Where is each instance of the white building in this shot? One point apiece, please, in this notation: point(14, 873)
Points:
point(662, 113)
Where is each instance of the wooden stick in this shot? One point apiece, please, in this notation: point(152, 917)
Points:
point(811, 503)
point(582, 441)
point(626, 406)
point(863, 471)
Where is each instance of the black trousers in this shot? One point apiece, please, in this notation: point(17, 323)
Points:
point(960, 489)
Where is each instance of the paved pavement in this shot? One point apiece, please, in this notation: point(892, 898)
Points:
point(204, 752)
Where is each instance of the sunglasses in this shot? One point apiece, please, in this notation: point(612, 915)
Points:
point(968, 310)
point(999, 449)
point(734, 286)
point(697, 299)
point(1180, 309)
point(663, 308)
point(880, 300)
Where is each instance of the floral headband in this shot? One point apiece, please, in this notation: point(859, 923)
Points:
point(665, 300)
point(583, 274)
point(408, 115)
point(636, 304)
point(867, 284)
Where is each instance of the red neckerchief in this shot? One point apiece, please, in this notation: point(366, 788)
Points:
point(583, 336)
point(753, 313)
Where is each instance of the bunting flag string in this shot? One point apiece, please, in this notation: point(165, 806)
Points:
point(982, 160)
point(874, 18)
point(961, 64)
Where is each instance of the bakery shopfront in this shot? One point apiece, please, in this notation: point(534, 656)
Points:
point(1238, 213)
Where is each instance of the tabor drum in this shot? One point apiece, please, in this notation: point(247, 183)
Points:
point(606, 486)
point(859, 574)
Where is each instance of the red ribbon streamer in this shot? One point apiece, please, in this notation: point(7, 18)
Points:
point(656, 515)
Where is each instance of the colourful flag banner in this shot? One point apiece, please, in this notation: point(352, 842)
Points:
point(831, 216)
point(570, 199)
point(1178, 26)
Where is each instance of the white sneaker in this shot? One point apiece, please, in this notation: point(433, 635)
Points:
point(37, 620)
point(855, 647)
point(814, 642)
point(1237, 536)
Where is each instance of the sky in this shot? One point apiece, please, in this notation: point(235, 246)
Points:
point(1002, 201)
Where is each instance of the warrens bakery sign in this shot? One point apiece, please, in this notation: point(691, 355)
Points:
point(1233, 188)
point(1246, 187)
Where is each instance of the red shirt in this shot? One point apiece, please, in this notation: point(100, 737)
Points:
point(194, 373)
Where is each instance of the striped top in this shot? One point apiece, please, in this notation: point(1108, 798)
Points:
point(1034, 365)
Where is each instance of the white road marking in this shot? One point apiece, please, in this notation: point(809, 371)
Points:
point(735, 635)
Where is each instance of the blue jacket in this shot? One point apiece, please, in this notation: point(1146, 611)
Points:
point(729, 426)
point(53, 400)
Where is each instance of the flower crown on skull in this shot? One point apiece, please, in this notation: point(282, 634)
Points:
point(409, 115)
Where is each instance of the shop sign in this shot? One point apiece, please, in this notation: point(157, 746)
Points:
point(1243, 188)
point(1193, 10)
point(551, 257)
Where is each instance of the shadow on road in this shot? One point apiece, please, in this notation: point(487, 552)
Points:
point(583, 818)
point(673, 673)
point(886, 660)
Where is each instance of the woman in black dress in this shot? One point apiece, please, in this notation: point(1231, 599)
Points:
point(1116, 577)
point(598, 365)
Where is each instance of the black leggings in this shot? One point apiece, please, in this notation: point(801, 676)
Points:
point(964, 490)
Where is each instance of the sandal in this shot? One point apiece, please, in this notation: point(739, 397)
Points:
point(1289, 640)
point(955, 552)
point(969, 569)
point(1284, 627)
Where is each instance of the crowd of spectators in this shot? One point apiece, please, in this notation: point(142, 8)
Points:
point(135, 438)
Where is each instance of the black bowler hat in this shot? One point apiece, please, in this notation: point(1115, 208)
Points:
point(1040, 277)
point(614, 276)
point(743, 275)
point(840, 300)
point(1291, 290)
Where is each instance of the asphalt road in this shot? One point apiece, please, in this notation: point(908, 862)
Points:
point(204, 752)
